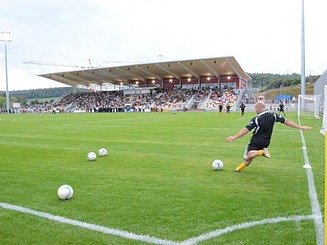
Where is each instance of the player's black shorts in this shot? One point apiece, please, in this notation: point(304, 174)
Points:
point(258, 143)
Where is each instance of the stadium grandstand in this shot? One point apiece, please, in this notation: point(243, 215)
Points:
point(199, 84)
point(224, 71)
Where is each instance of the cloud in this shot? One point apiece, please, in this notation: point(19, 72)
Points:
point(264, 36)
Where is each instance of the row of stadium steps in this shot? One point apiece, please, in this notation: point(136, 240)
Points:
point(71, 107)
point(202, 103)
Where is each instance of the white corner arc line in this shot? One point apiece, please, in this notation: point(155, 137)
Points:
point(219, 232)
point(106, 230)
point(149, 239)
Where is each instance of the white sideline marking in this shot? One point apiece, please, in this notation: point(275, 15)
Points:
point(115, 232)
point(228, 229)
point(315, 207)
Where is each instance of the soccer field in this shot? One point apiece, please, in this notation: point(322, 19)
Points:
point(156, 185)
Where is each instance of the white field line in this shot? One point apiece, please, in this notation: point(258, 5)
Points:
point(106, 230)
point(228, 229)
point(154, 240)
point(315, 207)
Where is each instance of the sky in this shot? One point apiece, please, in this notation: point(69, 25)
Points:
point(62, 35)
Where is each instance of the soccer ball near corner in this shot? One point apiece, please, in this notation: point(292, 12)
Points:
point(103, 152)
point(91, 156)
point(217, 165)
point(65, 192)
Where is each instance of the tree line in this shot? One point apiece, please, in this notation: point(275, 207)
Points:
point(262, 81)
point(36, 96)
point(266, 81)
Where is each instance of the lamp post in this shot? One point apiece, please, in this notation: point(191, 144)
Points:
point(5, 36)
point(302, 57)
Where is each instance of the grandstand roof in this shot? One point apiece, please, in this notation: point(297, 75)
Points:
point(145, 73)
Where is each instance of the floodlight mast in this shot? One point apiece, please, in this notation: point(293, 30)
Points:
point(302, 55)
point(5, 36)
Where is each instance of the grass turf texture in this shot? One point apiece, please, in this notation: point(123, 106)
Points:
point(156, 180)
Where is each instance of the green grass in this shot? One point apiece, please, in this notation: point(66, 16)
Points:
point(157, 179)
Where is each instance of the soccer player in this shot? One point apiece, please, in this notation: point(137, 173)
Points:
point(261, 97)
point(242, 106)
point(263, 125)
point(281, 108)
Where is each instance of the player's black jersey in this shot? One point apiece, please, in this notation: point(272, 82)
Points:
point(263, 124)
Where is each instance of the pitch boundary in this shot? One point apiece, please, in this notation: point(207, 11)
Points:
point(315, 207)
point(150, 239)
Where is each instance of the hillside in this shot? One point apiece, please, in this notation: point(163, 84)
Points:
point(294, 91)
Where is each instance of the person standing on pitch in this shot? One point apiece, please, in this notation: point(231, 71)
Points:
point(263, 125)
point(242, 106)
point(281, 108)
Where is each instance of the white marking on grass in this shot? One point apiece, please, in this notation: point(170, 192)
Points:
point(228, 229)
point(154, 240)
point(315, 207)
point(106, 230)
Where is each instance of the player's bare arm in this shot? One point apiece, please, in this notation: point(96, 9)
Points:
point(240, 134)
point(294, 125)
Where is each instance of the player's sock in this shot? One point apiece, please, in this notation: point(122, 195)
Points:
point(240, 167)
point(260, 153)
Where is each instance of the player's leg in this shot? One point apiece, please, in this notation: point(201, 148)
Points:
point(252, 152)
point(260, 153)
point(247, 159)
point(243, 165)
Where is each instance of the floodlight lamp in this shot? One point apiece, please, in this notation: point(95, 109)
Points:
point(208, 78)
point(189, 79)
point(5, 36)
point(228, 77)
point(170, 80)
point(137, 82)
point(153, 81)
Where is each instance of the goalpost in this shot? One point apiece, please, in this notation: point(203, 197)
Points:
point(308, 104)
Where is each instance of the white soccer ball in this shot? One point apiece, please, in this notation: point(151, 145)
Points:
point(103, 152)
point(65, 192)
point(91, 156)
point(217, 164)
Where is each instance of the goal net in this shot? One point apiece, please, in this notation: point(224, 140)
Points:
point(308, 105)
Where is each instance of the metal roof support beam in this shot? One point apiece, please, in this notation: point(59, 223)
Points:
point(78, 77)
point(210, 69)
point(128, 73)
point(188, 70)
point(94, 78)
point(168, 71)
point(149, 73)
point(103, 71)
point(64, 80)
point(69, 77)
point(231, 65)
